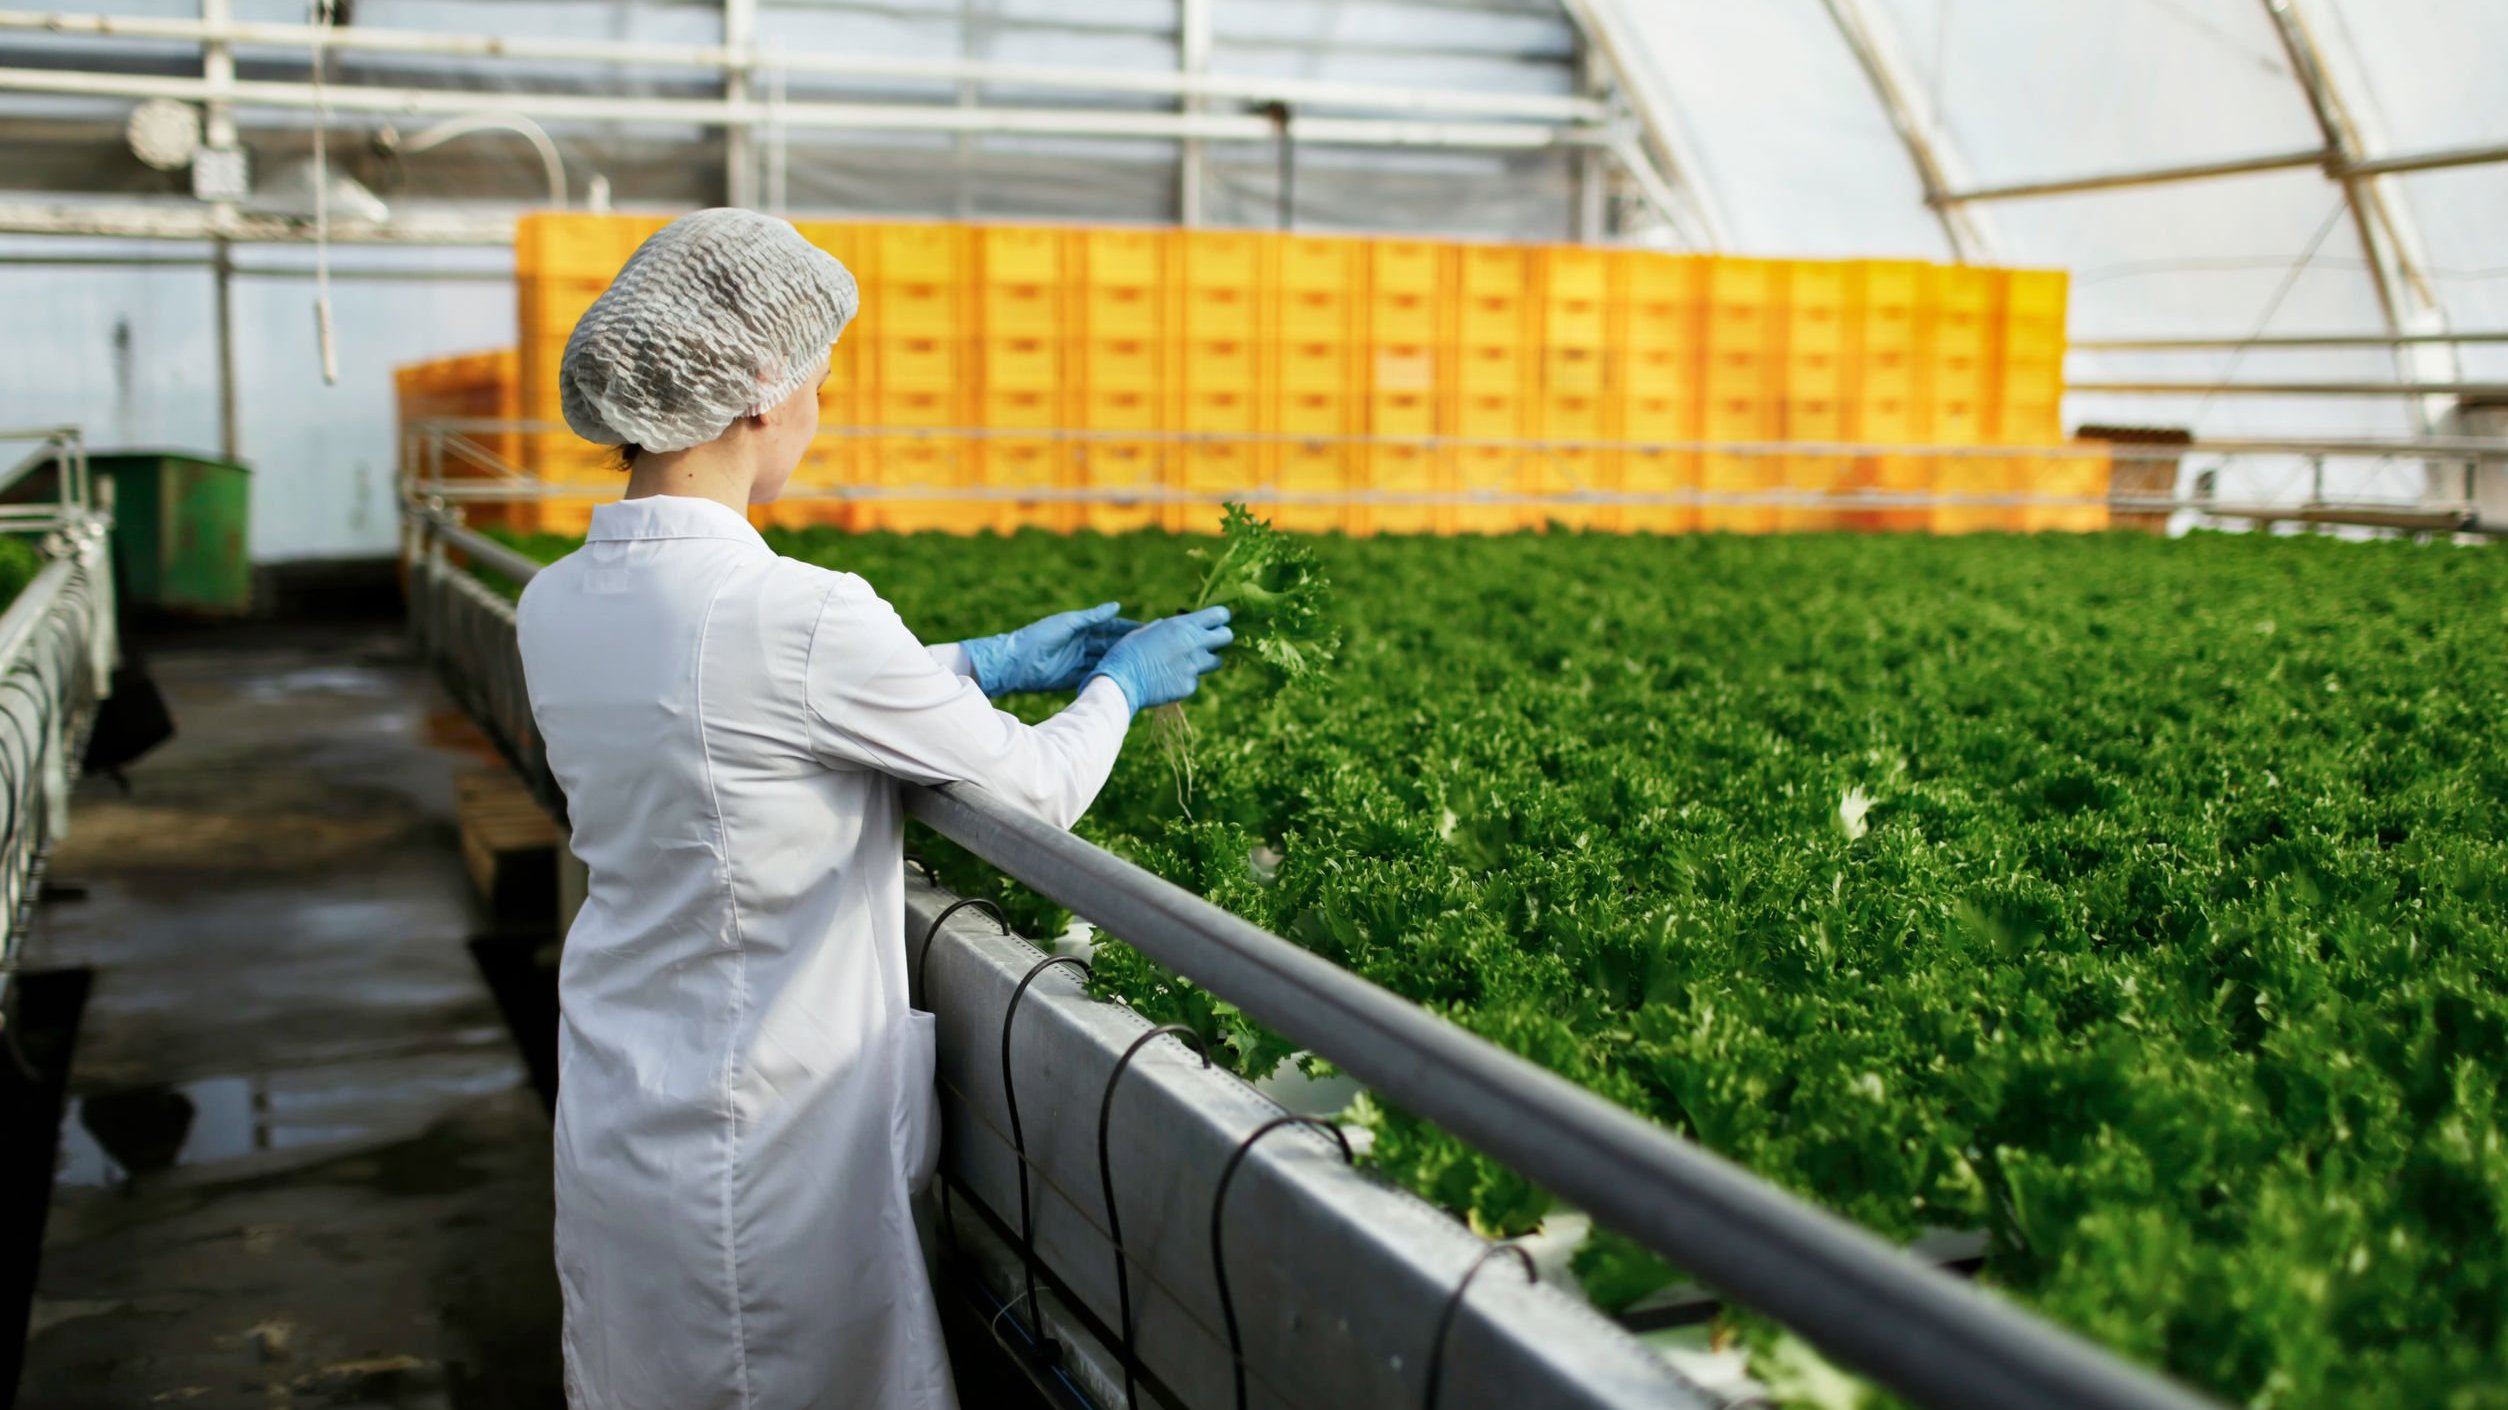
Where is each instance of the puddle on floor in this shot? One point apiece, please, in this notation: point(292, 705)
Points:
point(109, 1139)
point(329, 680)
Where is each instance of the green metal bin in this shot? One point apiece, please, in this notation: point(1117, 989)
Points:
point(181, 528)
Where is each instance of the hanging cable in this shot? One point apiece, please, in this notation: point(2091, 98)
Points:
point(323, 11)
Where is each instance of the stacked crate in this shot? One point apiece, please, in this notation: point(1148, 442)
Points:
point(1740, 388)
point(1121, 379)
point(2028, 404)
point(1317, 337)
point(1489, 387)
point(1222, 378)
point(469, 387)
point(1811, 338)
point(1652, 392)
point(1024, 315)
point(1121, 326)
point(1955, 377)
point(914, 358)
point(1403, 355)
point(1572, 288)
point(1884, 403)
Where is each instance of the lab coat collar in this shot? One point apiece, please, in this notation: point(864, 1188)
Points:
point(669, 516)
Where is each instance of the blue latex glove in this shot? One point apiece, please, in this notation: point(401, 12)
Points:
point(1163, 662)
point(1054, 653)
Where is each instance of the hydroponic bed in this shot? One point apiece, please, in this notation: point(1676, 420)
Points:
point(2134, 902)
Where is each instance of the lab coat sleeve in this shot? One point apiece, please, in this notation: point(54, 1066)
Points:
point(953, 658)
point(878, 699)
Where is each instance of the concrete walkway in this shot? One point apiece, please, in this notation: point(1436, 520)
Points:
point(304, 1165)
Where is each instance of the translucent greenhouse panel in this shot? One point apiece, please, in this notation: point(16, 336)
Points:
point(2461, 214)
point(1405, 43)
point(2035, 91)
point(2430, 68)
point(1794, 146)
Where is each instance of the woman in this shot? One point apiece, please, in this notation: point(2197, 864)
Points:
point(746, 1100)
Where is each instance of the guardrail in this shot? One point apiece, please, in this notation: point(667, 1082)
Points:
point(57, 653)
point(1909, 1326)
point(450, 461)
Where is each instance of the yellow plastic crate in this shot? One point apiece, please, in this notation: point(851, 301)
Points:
point(1222, 409)
point(1319, 412)
point(1222, 470)
point(1319, 470)
point(1233, 364)
point(1123, 259)
point(1138, 467)
point(1123, 311)
point(1022, 362)
point(1121, 363)
point(1664, 299)
point(1020, 254)
point(1486, 472)
point(1394, 471)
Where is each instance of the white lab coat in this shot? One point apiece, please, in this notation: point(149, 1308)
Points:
point(746, 1098)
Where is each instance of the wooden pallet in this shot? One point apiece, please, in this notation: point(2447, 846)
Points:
point(510, 843)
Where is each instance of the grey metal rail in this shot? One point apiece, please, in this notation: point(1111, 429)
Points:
point(57, 653)
point(1911, 1327)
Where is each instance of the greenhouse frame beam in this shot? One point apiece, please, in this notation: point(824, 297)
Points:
point(1193, 44)
point(2386, 237)
point(150, 220)
point(2272, 342)
point(2295, 389)
point(2331, 162)
point(1918, 129)
point(740, 154)
point(1153, 82)
point(1672, 186)
point(394, 101)
point(2144, 176)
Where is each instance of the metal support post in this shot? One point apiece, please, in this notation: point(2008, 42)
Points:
point(1192, 60)
point(222, 273)
point(2387, 237)
point(740, 155)
point(1917, 128)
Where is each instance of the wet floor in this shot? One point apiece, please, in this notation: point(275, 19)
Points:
point(303, 1162)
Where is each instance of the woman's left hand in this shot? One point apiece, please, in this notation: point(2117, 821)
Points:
point(1052, 653)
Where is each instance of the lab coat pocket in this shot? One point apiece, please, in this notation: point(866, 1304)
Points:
point(918, 1098)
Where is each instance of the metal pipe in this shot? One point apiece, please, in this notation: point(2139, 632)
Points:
point(1193, 44)
point(551, 164)
point(2400, 163)
point(2146, 176)
point(869, 117)
point(2270, 342)
point(1917, 131)
point(1940, 1342)
point(485, 551)
point(740, 162)
point(2442, 447)
point(1377, 97)
point(193, 221)
point(1679, 193)
point(2441, 159)
point(2297, 389)
point(222, 261)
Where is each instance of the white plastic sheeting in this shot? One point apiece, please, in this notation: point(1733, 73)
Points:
point(1783, 131)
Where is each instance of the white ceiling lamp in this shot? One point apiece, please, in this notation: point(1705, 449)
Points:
point(164, 133)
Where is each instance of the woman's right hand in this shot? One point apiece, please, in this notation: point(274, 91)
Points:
point(1163, 662)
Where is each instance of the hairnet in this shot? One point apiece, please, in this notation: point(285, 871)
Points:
point(720, 315)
